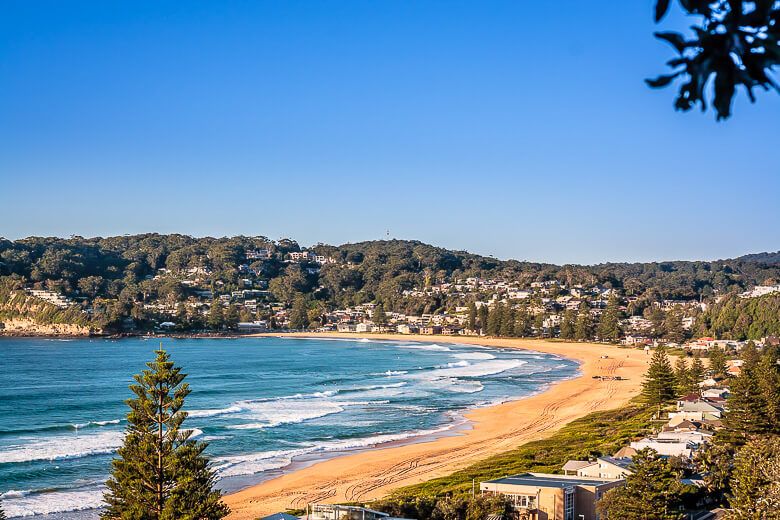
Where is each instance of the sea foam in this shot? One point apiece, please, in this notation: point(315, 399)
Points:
point(62, 447)
point(32, 503)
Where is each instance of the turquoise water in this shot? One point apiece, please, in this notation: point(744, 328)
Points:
point(261, 403)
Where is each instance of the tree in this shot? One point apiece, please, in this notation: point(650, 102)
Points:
point(472, 320)
point(507, 322)
point(696, 372)
point(715, 461)
point(753, 408)
point(567, 325)
point(609, 327)
point(651, 492)
point(756, 481)
point(735, 43)
point(483, 318)
point(161, 473)
point(494, 320)
point(216, 319)
point(718, 367)
point(659, 385)
point(583, 329)
point(682, 376)
point(231, 317)
point(673, 326)
point(522, 322)
point(378, 316)
point(299, 318)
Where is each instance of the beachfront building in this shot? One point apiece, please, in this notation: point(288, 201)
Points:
point(610, 468)
point(339, 512)
point(544, 496)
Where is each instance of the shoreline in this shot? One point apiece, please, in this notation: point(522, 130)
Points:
point(371, 473)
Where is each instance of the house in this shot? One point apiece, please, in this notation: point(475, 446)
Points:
point(431, 329)
point(666, 447)
point(346, 327)
point(339, 512)
point(364, 327)
point(407, 329)
point(544, 496)
point(603, 467)
point(280, 516)
point(715, 392)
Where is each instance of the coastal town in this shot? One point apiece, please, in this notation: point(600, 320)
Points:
point(241, 297)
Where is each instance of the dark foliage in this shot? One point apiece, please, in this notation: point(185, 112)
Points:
point(734, 43)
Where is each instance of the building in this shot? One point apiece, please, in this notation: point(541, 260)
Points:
point(543, 496)
point(339, 512)
point(610, 468)
point(666, 447)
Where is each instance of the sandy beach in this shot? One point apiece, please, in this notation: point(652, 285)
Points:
point(372, 474)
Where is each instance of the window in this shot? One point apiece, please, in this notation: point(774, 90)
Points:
point(568, 503)
point(524, 501)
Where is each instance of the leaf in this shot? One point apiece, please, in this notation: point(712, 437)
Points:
point(662, 81)
point(661, 7)
point(675, 39)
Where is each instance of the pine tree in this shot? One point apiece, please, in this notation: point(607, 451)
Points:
point(718, 367)
point(231, 317)
point(379, 316)
point(747, 409)
point(215, 319)
point(609, 327)
point(651, 492)
point(299, 317)
point(522, 322)
point(659, 385)
point(768, 376)
point(583, 329)
point(682, 376)
point(472, 321)
point(696, 372)
point(508, 322)
point(673, 326)
point(161, 474)
point(755, 482)
point(567, 325)
point(494, 320)
point(483, 318)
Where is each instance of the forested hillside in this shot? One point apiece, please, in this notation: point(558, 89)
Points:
point(120, 281)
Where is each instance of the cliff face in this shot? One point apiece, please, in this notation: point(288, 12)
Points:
point(28, 327)
point(24, 315)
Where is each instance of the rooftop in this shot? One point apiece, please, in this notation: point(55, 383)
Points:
point(543, 480)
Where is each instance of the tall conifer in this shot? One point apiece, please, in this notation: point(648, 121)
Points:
point(161, 474)
point(659, 385)
point(472, 322)
point(683, 376)
point(696, 372)
point(609, 327)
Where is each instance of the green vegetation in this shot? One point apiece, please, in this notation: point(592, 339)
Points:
point(161, 474)
point(660, 385)
point(136, 282)
point(735, 43)
point(596, 434)
point(742, 318)
point(652, 492)
point(756, 481)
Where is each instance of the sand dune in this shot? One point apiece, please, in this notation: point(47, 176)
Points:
point(368, 475)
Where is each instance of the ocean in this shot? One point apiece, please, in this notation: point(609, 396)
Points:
point(264, 405)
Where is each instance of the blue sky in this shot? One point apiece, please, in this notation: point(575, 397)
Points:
point(518, 129)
